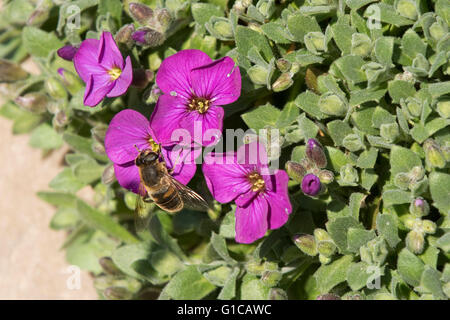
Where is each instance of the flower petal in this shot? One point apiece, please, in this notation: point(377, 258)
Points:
point(108, 54)
point(226, 179)
point(166, 118)
point(124, 81)
point(206, 128)
point(254, 156)
point(128, 176)
point(251, 221)
point(126, 130)
point(182, 161)
point(97, 88)
point(174, 72)
point(219, 81)
point(85, 60)
point(278, 199)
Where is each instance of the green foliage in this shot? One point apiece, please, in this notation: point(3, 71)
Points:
point(373, 90)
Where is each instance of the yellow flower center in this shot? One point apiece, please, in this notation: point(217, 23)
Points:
point(201, 105)
point(115, 73)
point(153, 145)
point(258, 183)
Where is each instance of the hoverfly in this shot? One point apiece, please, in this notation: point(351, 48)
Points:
point(159, 186)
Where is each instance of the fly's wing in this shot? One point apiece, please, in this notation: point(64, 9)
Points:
point(191, 199)
point(142, 211)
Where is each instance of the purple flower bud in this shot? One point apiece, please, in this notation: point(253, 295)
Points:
point(142, 77)
point(311, 185)
point(148, 37)
point(328, 296)
point(141, 13)
point(314, 152)
point(67, 52)
point(419, 208)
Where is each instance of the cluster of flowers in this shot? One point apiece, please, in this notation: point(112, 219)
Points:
point(194, 89)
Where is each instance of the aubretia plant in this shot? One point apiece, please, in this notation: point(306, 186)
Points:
point(351, 98)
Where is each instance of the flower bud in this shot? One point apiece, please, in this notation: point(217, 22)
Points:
point(283, 65)
point(389, 131)
point(417, 173)
point(153, 94)
point(70, 81)
point(324, 259)
point(353, 296)
point(419, 208)
point(142, 77)
point(310, 185)
point(108, 266)
point(124, 35)
point(148, 37)
point(406, 8)
point(415, 242)
point(223, 28)
point(271, 278)
point(60, 121)
point(433, 154)
point(35, 102)
point(254, 267)
point(321, 235)
point(326, 176)
point(443, 108)
point(258, 74)
point(410, 221)
point(11, 72)
point(277, 294)
point(141, 13)
point(328, 296)
point(295, 170)
point(306, 243)
point(108, 175)
point(429, 226)
point(67, 52)
point(117, 293)
point(349, 175)
point(402, 180)
point(414, 107)
point(315, 153)
point(352, 142)
point(361, 44)
point(315, 42)
point(283, 82)
point(331, 104)
point(55, 89)
point(164, 19)
point(326, 248)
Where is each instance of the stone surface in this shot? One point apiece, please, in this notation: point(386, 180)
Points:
point(32, 266)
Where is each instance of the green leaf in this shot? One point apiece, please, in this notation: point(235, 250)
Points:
point(387, 14)
point(227, 227)
point(356, 199)
point(444, 242)
point(440, 190)
point(276, 31)
point(357, 237)
point(188, 284)
point(253, 288)
point(60, 199)
point(247, 38)
point(40, 43)
point(350, 67)
point(391, 197)
point(329, 276)
point(202, 12)
point(356, 4)
point(228, 291)
point(400, 89)
point(308, 102)
point(165, 262)
point(82, 145)
point(367, 158)
point(384, 48)
point(412, 45)
point(387, 227)
point(403, 160)
point(127, 256)
point(338, 131)
point(299, 25)
point(342, 34)
point(101, 221)
point(358, 275)
point(66, 181)
point(113, 7)
point(64, 218)
point(381, 116)
point(44, 137)
point(338, 229)
point(359, 97)
point(287, 116)
point(219, 244)
point(88, 171)
point(266, 115)
point(430, 282)
point(410, 267)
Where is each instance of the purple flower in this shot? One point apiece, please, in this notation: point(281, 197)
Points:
point(194, 88)
point(310, 184)
point(129, 130)
point(261, 196)
point(100, 64)
point(67, 52)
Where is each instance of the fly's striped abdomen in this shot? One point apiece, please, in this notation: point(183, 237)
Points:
point(168, 199)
